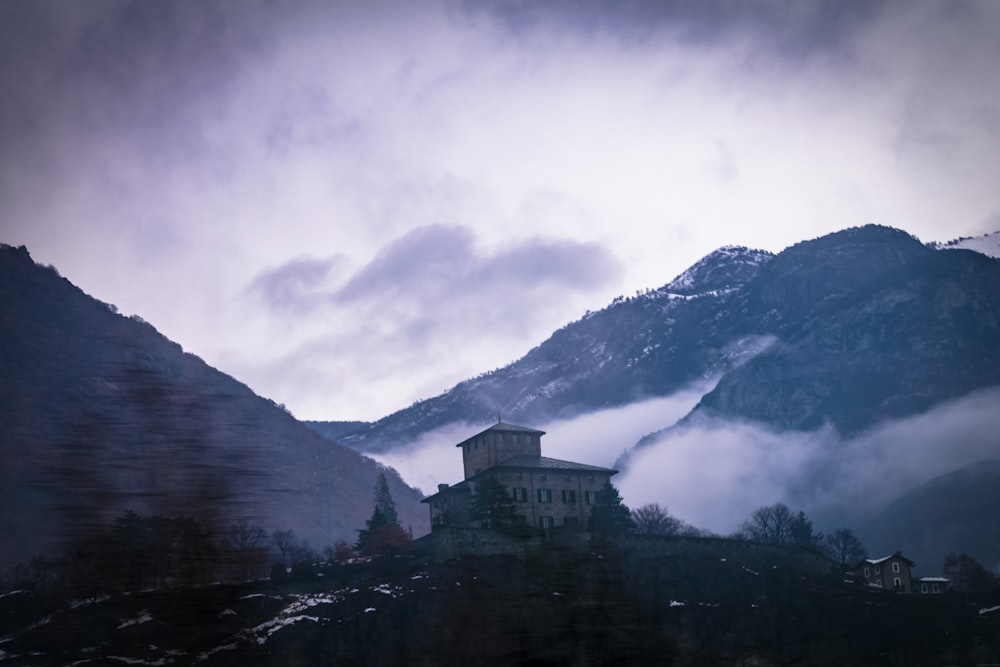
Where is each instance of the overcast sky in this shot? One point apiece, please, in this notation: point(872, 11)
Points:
point(350, 206)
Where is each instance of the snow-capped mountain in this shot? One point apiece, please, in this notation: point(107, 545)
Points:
point(848, 329)
point(647, 345)
point(987, 244)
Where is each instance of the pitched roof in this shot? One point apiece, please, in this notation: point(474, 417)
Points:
point(876, 561)
point(545, 463)
point(503, 427)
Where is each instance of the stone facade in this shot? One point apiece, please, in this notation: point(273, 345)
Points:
point(548, 493)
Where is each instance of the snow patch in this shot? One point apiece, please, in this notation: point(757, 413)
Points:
point(143, 617)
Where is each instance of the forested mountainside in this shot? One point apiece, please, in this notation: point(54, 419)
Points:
point(100, 414)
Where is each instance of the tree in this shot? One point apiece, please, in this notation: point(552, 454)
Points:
point(776, 524)
point(382, 533)
point(771, 524)
point(651, 519)
point(245, 537)
point(492, 506)
point(383, 499)
point(843, 546)
point(609, 514)
point(966, 574)
point(802, 533)
point(284, 542)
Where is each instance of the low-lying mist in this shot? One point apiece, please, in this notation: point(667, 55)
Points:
point(715, 472)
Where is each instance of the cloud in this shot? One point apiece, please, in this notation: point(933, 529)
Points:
point(716, 472)
point(792, 30)
point(562, 153)
point(296, 285)
point(431, 297)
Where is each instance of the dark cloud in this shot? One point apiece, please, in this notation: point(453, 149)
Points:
point(438, 262)
point(781, 26)
point(296, 285)
point(149, 74)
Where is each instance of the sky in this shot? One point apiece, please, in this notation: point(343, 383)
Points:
point(353, 206)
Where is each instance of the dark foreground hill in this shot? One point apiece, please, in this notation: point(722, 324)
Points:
point(100, 414)
point(553, 609)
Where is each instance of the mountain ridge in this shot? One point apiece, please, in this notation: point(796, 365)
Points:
point(101, 414)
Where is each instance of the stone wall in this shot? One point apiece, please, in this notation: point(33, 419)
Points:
point(449, 543)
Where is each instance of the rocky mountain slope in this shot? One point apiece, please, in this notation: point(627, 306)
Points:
point(848, 329)
point(99, 413)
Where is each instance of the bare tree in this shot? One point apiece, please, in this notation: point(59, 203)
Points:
point(771, 524)
point(245, 537)
point(652, 519)
point(843, 546)
point(284, 542)
point(966, 574)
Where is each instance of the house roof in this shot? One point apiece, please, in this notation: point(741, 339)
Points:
point(461, 487)
point(503, 427)
point(545, 463)
point(876, 561)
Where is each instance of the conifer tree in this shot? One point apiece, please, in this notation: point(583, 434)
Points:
point(493, 507)
point(609, 513)
point(382, 533)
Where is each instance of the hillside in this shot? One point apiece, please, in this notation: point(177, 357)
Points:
point(873, 325)
point(99, 413)
point(554, 609)
point(956, 508)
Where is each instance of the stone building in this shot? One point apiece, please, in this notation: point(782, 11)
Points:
point(547, 492)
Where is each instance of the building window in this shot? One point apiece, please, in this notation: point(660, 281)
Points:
point(590, 479)
point(566, 478)
point(868, 573)
point(545, 522)
point(923, 588)
point(520, 494)
point(545, 495)
point(897, 583)
point(934, 588)
point(878, 569)
point(569, 497)
point(895, 567)
point(518, 476)
point(543, 478)
point(588, 497)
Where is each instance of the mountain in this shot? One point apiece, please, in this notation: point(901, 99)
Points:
point(99, 414)
point(849, 329)
point(639, 347)
point(957, 508)
point(873, 325)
